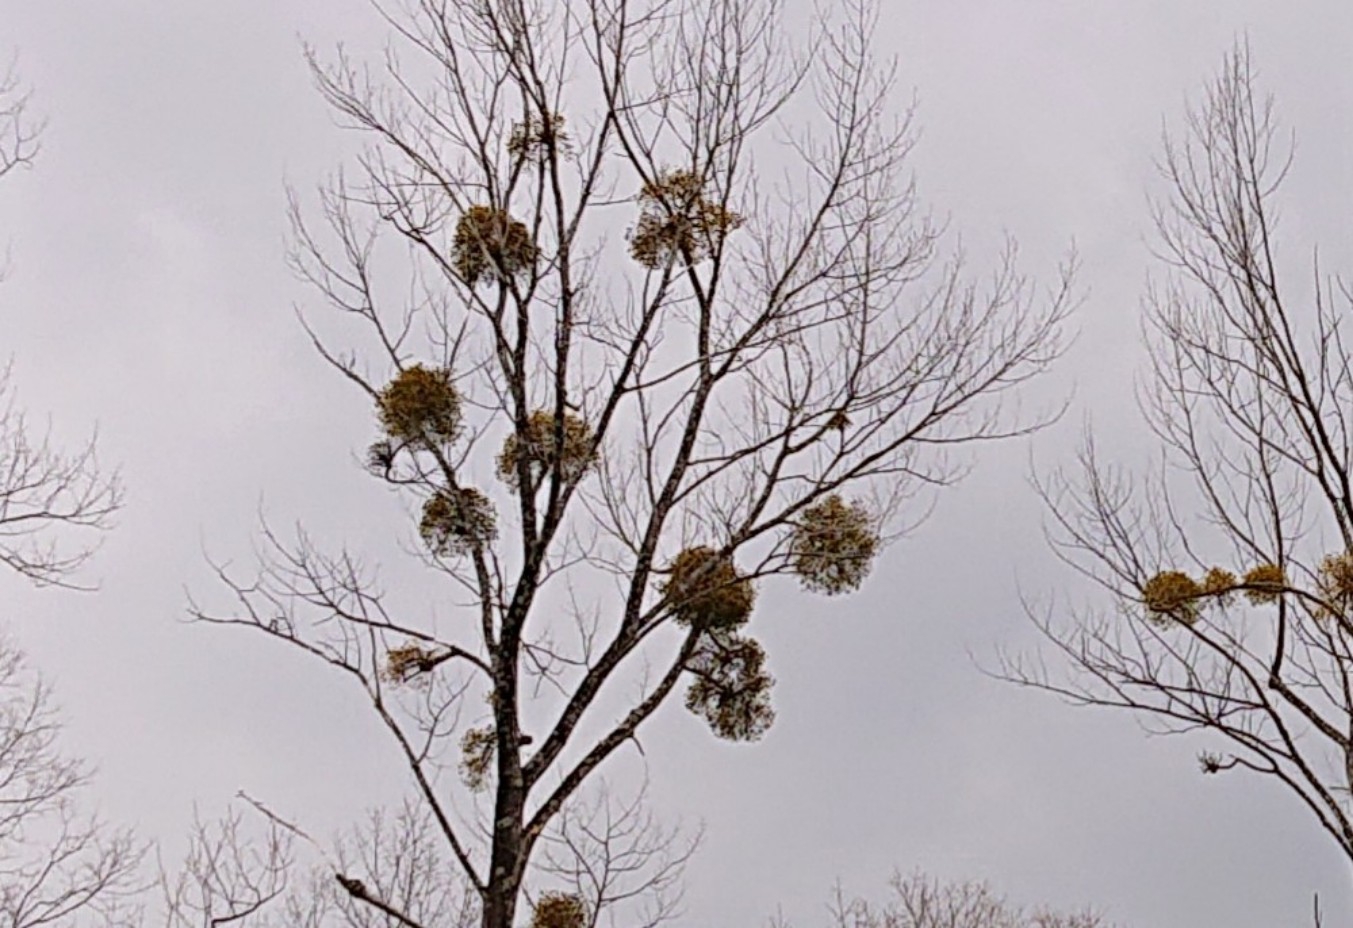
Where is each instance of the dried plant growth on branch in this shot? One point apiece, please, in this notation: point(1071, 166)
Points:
point(1241, 539)
point(539, 449)
point(705, 591)
point(790, 333)
point(834, 546)
point(490, 242)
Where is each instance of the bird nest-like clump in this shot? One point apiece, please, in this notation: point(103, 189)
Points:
point(1265, 583)
point(420, 404)
point(408, 662)
point(678, 222)
point(457, 521)
point(533, 137)
point(1336, 584)
point(490, 244)
point(476, 757)
point(731, 690)
point(559, 910)
point(1172, 596)
point(539, 447)
point(705, 590)
point(833, 546)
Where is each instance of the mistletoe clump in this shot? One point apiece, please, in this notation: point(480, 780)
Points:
point(476, 757)
point(533, 137)
point(705, 591)
point(457, 521)
point(559, 910)
point(1336, 582)
point(420, 404)
point(1172, 596)
point(731, 690)
point(1265, 583)
point(677, 222)
point(833, 546)
point(540, 448)
point(406, 662)
point(489, 242)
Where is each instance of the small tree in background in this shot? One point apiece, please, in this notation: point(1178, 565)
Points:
point(661, 322)
point(919, 901)
point(1230, 570)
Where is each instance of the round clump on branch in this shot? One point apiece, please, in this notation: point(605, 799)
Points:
point(559, 910)
point(540, 449)
point(704, 590)
point(491, 244)
point(1265, 583)
point(457, 521)
point(1172, 596)
point(476, 757)
point(731, 690)
point(407, 662)
point(833, 546)
point(677, 222)
point(1336, 584)
point(420, 404)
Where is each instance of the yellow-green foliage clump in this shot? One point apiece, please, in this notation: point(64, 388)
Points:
point(407, 662)
point(833, 546)
point(559, 910)
point(476, 757)
point(540, 449)
point(420, 404)
point(1336, 584)
point(490, 244)
point(677, 222)
point(533, 137)
point(1172, 596)
point(731, 690)
point(1265, 583)
point(705, 590)
point(1219, 584)
point(458, 521)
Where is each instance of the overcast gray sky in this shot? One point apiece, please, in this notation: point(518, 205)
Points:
point(148, 295)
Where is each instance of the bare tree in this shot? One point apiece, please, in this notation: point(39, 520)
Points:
point(919, 901)
point(45, 495)
point(1231, 568)
point(609, 444)
point(58, 866)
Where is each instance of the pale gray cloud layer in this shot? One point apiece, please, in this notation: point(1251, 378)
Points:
point(148, 294)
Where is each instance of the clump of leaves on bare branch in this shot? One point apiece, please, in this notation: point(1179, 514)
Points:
point(420, 405)
point(539, 451)
point(406, 662)
point(705, 591)
point(1264, 583)
point(833, 546)
point(1172, 596)
point(559, 910)
point(731, 689)
point(457, 521)
point(490, 244)
point(678, 222)
point(476, 757)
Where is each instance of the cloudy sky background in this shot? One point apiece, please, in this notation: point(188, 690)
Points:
point(148, 295)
